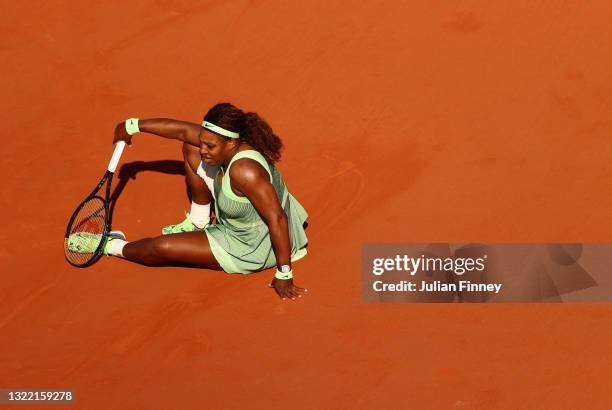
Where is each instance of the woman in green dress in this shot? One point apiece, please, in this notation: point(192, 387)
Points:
point(229, 158)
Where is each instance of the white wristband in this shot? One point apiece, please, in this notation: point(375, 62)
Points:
point(131, 126)
point(283, 275)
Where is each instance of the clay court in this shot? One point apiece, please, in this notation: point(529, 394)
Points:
point(403, 122)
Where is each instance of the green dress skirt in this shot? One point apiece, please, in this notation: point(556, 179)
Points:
point(241, 240)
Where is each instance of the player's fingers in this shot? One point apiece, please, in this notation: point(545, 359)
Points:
point(287, 294)
point(295, 293)
point(297, 288)
point(279, 293)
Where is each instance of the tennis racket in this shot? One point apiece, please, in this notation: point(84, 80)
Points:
point(89, 225)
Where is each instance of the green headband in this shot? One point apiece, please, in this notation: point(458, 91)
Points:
point(218, 130)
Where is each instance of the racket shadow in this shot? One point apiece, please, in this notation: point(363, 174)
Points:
point(130, 170)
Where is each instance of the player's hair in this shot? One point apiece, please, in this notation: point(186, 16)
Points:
point(253, 129)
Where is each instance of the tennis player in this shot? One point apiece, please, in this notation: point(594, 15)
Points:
point(229, 159)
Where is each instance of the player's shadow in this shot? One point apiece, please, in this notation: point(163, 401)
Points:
point(130, 170)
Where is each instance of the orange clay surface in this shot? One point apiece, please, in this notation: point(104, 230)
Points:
point(427, 121)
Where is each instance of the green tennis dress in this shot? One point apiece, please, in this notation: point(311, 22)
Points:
point(241, 240)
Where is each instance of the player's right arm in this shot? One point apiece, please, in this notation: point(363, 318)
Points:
point(164, 127)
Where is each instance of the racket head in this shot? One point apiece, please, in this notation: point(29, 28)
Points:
point(87, 231)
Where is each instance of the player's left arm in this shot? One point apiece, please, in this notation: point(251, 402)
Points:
point(250, 179)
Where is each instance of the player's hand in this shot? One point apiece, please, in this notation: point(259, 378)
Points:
point(285, 289)
point(122, 135)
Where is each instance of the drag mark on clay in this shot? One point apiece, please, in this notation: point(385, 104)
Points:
point(147, 32)
point(332, 204)
point(29, 300)
point(142, 331)
point(463, 22)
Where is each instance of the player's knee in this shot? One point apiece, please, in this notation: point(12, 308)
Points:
point(190, 151)
point(192, 156)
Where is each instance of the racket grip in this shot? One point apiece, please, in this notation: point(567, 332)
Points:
point(112, 165)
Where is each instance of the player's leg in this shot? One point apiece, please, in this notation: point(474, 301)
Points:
point(188, 247)
point(200, 194)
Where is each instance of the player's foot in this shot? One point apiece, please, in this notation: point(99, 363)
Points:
point(87, 242)
point(185, 226)
point(113, 235)
point(83, 242)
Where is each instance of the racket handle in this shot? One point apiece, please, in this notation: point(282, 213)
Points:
point(112, 165)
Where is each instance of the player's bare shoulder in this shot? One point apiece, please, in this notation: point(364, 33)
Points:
point(247, 171)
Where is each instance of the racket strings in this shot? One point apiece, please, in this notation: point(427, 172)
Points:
point(86, 232)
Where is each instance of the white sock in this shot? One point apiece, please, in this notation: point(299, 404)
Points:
point(199, 214)
point(115, 247)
